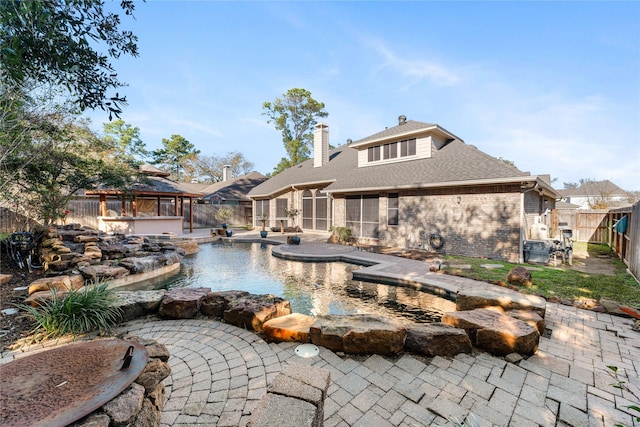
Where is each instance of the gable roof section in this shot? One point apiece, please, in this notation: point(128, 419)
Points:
point(407, 129)
point(594, 188)
point(234, 189)
point(454, 164)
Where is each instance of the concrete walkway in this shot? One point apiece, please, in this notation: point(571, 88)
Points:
point(219, 372)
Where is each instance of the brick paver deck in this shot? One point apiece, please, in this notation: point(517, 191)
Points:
point(219, 372)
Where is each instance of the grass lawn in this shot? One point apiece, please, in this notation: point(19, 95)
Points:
point(561, 282)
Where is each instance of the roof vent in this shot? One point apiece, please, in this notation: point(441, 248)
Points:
point(402, 120)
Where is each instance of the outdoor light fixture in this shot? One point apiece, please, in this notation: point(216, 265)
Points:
point(307, 350)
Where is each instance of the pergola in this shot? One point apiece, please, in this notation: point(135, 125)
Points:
point(139, 219)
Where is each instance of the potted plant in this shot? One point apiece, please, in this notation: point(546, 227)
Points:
point(293, 214)
point(223, 215)
point(263, 218)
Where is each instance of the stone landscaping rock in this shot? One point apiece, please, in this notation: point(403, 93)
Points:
point(214, 304)
point(519, 276)
point(59, 283)
point(479, 297)
point(530, 317)
point(148, 416)
point(154, 372)
point(494, 332)
point(250, 312)
point(358, 334)
point(134, 304)
point(269, 412)
point(437, 339)
point(182, 303)
point(295, 398)
point(103, 272)
point(190, 246)
point(123, 409)
point(5, 278)
point(293, 327)
point(137, 265)
point(93, 420)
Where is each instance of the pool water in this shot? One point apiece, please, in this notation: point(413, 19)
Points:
point(311, 288)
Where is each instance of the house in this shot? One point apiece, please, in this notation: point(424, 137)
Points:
point(232, 191)
point(413, 185)
point(597, 195)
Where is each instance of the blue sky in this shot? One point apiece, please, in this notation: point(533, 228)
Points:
point(552, 86)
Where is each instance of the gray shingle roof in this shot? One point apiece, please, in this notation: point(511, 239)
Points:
point(236, 188)
point(594, 188)
point(455, 163)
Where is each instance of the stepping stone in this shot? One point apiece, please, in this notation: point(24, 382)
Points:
point(293, 327)
point(437, 339)
point(491, 266)
point(358, 334)
point(486, 296)
point(495, 332)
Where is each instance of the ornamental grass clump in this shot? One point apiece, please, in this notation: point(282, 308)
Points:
point(76, 312)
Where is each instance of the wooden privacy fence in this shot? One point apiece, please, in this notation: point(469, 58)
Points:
point(85, 211)
point(605, 227)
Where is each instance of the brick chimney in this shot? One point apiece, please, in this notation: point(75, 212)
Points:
point(320, 145)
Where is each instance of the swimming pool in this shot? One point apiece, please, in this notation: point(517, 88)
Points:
point(311, 288)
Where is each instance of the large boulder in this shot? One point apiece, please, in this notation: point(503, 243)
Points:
point(58, 283)
point(250, 312)
point(214, 304)
point(484, 296)
point(437, 339)
point(497, 333)
point(293, 327)
point(137, 265)
point(358, 334)
point(190, 246)
point(530, 317)
point(134, 304)
point(182, 303)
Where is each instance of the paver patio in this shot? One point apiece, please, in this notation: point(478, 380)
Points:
point(219, 372)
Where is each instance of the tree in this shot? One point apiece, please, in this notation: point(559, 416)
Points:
point(176, 156)
point(294, 115)
point(209, 168)
point(57, 42)
point(125, 141)
point(72, 158)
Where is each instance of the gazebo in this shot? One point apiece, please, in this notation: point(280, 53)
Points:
point(153, 206)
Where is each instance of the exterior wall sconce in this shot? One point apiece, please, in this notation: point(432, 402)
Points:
point(458, 199)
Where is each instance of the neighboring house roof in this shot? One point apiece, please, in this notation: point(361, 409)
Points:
point(453, 164)
point(594, 188)
point(235, 188)
point(565, 205)
point(148, 169)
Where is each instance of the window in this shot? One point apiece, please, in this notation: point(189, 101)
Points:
point(262, 206)
point(321, 211)
point(408, 147)
point(307, 209)
point(362, 215)
point(374, 153)
point(281, 206)
point(390, 151)
point(392, 209)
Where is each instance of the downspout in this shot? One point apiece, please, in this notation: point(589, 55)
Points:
point(522, 219)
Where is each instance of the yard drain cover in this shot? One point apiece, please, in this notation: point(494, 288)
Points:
point(59, 386)
point(307, 350)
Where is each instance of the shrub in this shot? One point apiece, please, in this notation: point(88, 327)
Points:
point(77, 312)
point(223, 214)
point(343, 233)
